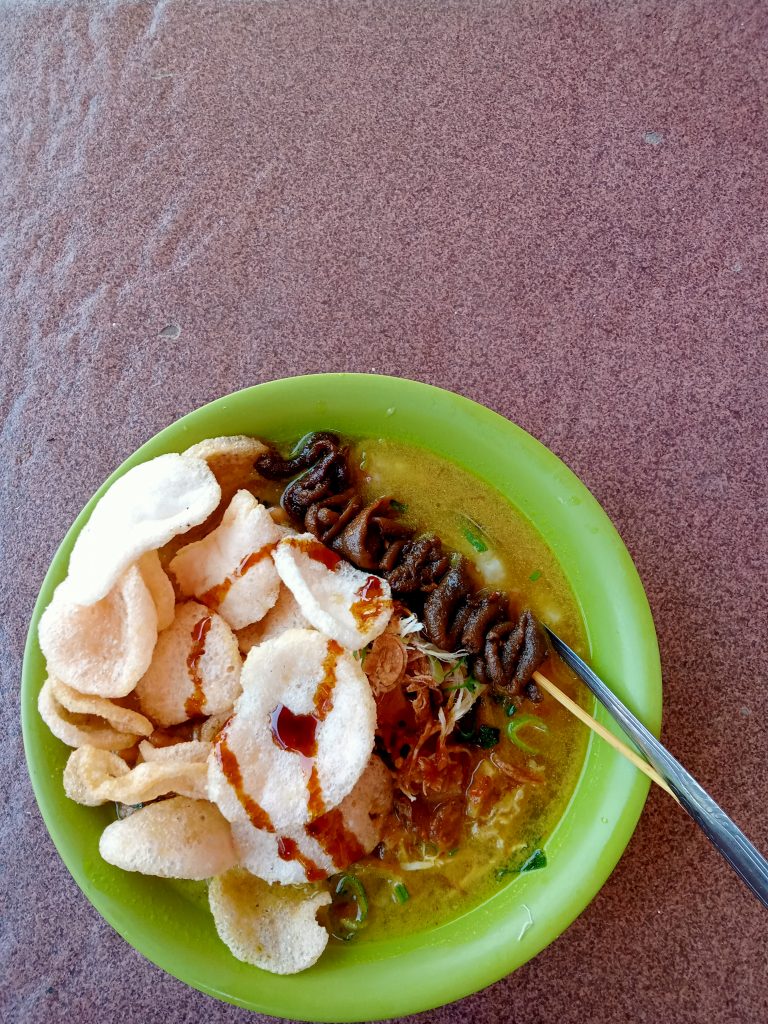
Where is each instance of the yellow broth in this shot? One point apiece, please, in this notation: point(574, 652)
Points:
point(443, 499)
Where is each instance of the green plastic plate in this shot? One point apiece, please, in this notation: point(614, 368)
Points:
point(169, 921)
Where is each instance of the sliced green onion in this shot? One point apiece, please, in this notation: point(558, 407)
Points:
point(538, 859)
point(535, 860)
point(535, 575)
point(510, 709)
point(400, 893)
point(487, 736)
point(475, 540)
point(470, 683)
point(523, 722)
point(398, 506)
point(298, 446)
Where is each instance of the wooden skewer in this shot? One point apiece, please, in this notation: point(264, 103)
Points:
point(595, 726)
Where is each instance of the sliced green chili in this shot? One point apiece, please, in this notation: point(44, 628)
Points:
point(344, 925)
point(525, 721)
point(400, 893)
point(475, 540)
point(538, 859)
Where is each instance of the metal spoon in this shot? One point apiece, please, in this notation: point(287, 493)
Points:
point(748, 863)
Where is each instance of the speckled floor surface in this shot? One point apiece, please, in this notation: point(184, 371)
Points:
point(557, 209)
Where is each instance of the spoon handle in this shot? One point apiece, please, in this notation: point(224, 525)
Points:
point(748, 863)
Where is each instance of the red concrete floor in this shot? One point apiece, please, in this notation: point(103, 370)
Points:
point(557, 209)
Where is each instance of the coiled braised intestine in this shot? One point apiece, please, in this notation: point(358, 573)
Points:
point(457, 613)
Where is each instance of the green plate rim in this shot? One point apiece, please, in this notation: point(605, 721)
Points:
point(393, 978)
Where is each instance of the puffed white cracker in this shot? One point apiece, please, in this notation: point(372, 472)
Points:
point(190, 750)
point(159, 586)
point(289, 671)
point(351, 606)
point(285, 614)
point(231, 460)
point(230, 569)
point(102, 648)
point(140, 512)
point(273, 927)
point(195, 668)
point(94, 777)
point(104, 725)
point(353, 828)
point(175, 838)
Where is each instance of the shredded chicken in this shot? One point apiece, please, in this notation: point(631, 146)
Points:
point(442, 781)
point(460, 703)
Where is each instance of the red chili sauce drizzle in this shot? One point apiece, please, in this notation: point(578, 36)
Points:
point(316, 551)
point(215, 596)
point(231, 769)
point(324, 693)
point(196, 700)
point(297, 733)
point(288, 849)
point(294, 732)
point(369, 601)
point(315, 801)
point(342, 846)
